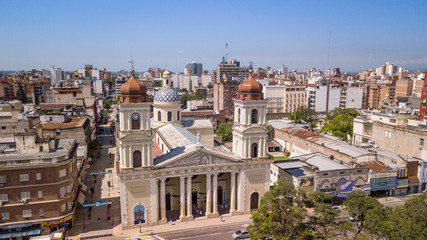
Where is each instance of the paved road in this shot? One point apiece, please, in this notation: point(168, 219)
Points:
point(220, 231)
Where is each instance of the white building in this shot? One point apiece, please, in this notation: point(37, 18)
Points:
point(56, 75)
point(318, 97)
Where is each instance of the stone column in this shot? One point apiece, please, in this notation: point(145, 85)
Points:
point(162, 200)
point(182, 197)
point(147, 119)
point(259, 115)
point(122, 121)
point(129, 121)
point(264, 141)
point(215, 194)
point(144, 159)
point(208, 194)
point(150, 154)
point(122, 156)
point(233, 193)
point(189, 199)
point(245, 147)
point(128, 161)
point(260, 145)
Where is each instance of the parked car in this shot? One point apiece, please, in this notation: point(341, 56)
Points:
point(337, 208)
point(240, 234)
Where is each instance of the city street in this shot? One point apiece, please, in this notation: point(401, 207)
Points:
point(101, 177)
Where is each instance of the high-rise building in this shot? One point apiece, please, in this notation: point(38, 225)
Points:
point(423, 103)
point(284, 70)
point(224, 93)
point(193, 68)
point(229, 69)
point(56, 75)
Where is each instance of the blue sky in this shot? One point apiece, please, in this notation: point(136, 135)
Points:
point(69, 34)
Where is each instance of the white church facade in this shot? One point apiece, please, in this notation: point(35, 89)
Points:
point(190, 179)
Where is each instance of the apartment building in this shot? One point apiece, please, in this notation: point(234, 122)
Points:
point(284, 98)
point(38, 186)
point(224, 93)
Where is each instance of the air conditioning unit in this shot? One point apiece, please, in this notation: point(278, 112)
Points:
point(24, 201)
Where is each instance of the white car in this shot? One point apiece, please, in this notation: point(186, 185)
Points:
point(240, 234)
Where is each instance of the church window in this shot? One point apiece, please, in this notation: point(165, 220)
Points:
point(159, 116)
point(137, 159)
point(254, 116)
point(254, 149)
point(177, 115)
point(135, 121)
point(169, 116)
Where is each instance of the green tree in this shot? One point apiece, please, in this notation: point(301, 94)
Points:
point(279, 216)
point(225, 130)
point(340, 122)
point(409, 221)
point(157, 83)
point(210, 85)
point(20, 93)
point(105, 115)
point(304, 115)
point(270, 133)
point(110, 81)
point(358, 206)
point(323, 222)
point(107, 104)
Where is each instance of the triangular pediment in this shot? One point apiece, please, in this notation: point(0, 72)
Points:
point(199, 157)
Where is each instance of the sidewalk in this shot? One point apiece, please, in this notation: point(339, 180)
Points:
point(164, 228)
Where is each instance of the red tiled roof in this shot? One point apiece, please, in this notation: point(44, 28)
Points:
point(48, 106)
point(376, 166)
point(156, 150)
point(72, 124)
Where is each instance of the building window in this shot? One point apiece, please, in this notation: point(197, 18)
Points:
point(24, 177)
point(62, 192)
point(63, 207)
point(40, 194)
point(69, 189)
point(4, 215)
point(169, 116)
point(4, 197)
point(38, 176)
point(2, 179)
point(137, 159)
point(41, 212)
point(135, 121)
point(159, 116)
point(3, 127)
point(254, 116)
point(422, 142)
point(25, 195)
point(254, 153)
point(26, 213)
point(177, 115)
point(62, 173)
point(40, 148)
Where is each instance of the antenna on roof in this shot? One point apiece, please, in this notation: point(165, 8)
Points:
point(131, 58)
point(226, 52)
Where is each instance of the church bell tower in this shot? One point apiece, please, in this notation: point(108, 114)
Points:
point(249, 128)
point(135, 141)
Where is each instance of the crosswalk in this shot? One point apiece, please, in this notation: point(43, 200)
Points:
point(148, 237)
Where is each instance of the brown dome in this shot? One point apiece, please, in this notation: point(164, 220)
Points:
point(250, 86)
point(133, 91)
point(250, 89)
point(133, 87)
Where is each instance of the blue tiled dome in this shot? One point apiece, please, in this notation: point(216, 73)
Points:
point(166, 95)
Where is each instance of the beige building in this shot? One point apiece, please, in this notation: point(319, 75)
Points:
point(284, 98)
point(188, 179)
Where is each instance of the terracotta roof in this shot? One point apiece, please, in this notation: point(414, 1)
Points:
point(376, 166)
point(250, 86)
point(72, 124)
point(47, 106)
point(133, 86)
point(198, 113)
point(156, 150)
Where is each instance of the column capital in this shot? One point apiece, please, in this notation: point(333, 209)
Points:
point(162, 179)
point(189, 176)
point(233, 173)
point(182, 177)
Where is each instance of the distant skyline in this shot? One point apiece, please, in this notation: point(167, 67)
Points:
point(351, 35)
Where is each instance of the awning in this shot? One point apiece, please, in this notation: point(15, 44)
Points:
point(367, 124)
point(23, 225)
point(19, 234)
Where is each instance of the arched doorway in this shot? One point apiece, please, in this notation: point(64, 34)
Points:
point(168, 201)
point(137, 159)
point(254, 152)
point(220, 192)
point(169, 116)
point(254, 200)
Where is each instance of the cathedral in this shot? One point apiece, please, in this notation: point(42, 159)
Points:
point(169, 168)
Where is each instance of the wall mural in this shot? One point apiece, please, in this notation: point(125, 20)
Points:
point(139, 214)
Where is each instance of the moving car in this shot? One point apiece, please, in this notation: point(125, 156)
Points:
point(240, 234)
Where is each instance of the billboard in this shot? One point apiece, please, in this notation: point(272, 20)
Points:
point(345, 188)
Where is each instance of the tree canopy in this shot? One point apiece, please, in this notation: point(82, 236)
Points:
point(188, 97)
point(20, 93)
point(340, 122)
point(225, 130)
point(304, 115)
point(281, 215)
